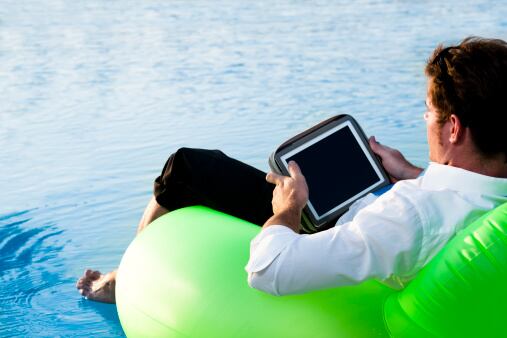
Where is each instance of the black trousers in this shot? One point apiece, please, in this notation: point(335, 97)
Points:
point(212, 179)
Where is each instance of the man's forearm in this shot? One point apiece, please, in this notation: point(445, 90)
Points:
point(289, 218)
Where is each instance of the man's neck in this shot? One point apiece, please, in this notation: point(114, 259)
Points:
point(495, 166)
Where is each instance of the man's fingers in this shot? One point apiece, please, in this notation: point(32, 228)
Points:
point(375, 146)
point(373, 142)
point(294, 170)
point(271, 177)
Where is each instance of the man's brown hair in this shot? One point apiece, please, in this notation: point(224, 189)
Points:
point(470, 81)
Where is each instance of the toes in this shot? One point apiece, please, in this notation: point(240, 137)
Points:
point(83, 289)
point(90, 275)
point(96, 286)
point(85, 282)
point(82, 281)
point(95, 275)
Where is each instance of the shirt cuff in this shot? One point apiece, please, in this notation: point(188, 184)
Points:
point(267, 245)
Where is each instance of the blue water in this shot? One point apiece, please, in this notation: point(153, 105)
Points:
point(94, 95)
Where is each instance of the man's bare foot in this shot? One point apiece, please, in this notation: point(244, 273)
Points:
point(98, 287)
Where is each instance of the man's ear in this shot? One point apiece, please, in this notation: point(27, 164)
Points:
point(456, 129)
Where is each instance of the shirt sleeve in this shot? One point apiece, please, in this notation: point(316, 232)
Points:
point(383, 239)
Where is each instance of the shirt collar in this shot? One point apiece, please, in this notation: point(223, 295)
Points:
point(440, 176)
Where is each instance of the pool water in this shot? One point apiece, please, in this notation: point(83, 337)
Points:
point(96, 94)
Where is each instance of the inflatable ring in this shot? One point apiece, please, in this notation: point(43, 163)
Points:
point(184, 276)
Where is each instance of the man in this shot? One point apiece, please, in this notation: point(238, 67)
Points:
point(390, 237)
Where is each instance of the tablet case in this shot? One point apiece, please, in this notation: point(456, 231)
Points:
point(306, 222)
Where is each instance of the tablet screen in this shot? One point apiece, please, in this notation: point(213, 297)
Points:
point(338, 169)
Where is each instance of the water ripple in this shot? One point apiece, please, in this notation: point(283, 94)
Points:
point(26, 254)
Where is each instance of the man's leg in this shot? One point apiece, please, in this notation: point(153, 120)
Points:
point(212, 179)
point(194, 177)
point(101, 287)
point(152, 212)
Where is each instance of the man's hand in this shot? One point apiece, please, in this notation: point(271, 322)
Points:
point(289, 197)
point(394, 162)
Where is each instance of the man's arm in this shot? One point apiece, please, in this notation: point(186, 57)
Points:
point(289, 198)
point(383, 239)
point(291, 193)
point(282, 261)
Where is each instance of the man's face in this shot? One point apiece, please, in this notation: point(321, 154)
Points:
point(436, 133)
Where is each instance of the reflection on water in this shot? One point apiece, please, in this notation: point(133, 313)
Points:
point(96, 94)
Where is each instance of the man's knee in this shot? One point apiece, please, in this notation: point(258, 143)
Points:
point(196, 156)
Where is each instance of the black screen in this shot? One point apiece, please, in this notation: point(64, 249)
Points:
point(335, 168)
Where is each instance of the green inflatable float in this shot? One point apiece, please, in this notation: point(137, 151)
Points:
point(184, 277)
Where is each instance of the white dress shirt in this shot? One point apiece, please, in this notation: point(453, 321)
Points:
point(390, 237)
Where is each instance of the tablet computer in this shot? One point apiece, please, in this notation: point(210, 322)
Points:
point(339, 167)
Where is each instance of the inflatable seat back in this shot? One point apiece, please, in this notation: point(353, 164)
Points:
point(462, 292)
